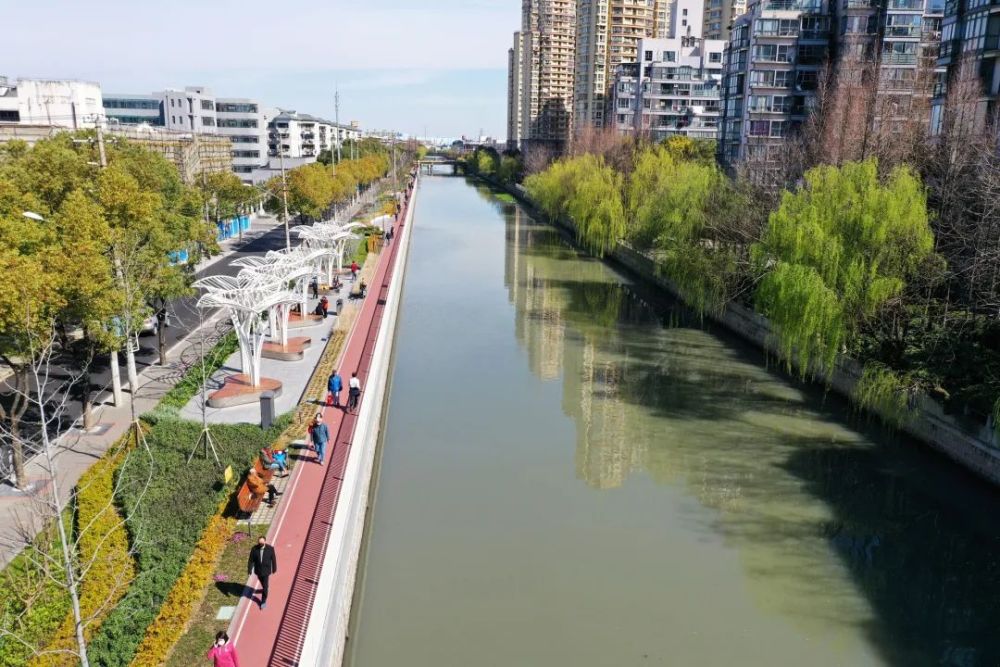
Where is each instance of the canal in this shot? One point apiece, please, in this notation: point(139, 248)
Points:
point(576, 472)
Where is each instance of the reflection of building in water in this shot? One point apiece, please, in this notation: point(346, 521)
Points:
point(542, 293)
point(605, 455)
point(538, 307)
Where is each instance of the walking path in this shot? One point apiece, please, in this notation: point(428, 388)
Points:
point(302, 521)
point(77, 450)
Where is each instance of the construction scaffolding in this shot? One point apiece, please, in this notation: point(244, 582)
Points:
point(193, 154)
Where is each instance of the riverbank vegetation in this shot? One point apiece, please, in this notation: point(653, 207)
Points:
point(859, 257)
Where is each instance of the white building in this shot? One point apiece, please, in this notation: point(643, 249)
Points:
point(64, 104)
point(196, 109)
point(299, 135)
point(675, 89)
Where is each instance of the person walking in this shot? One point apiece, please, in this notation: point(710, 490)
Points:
point(353, 392)
point(354, 270)
point(314, 286)
point(324, 305)
point(320, 436)
point(263, 562)
point(333, 387)
point(222, 653)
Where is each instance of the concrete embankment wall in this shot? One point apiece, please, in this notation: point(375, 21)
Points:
point(972, 445)
point(326, 632)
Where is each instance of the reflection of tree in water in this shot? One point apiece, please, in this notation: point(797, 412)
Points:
point(836, 533)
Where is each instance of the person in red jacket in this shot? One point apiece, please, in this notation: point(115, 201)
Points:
point(354, 270)
point(223, 654)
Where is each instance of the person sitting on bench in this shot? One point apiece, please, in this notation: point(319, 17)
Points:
point(275, 460)
point(259, 487)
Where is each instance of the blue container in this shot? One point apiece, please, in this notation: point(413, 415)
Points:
point(245, 222)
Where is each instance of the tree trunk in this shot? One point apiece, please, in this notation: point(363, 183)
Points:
point(133, 377)
point(116, 379)
point(17, 453)
point(161, 341)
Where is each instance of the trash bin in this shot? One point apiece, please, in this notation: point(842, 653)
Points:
point(266, 409)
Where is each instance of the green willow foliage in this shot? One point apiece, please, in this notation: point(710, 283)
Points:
point(834, 252)
point(669, 205)
point(883, 392)
point(588, 193)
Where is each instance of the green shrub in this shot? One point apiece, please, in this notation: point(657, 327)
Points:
point(168, 517)
point(190, 384)
point(32, 605)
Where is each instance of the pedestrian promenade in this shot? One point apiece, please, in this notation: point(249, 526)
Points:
point(301, 525)
point(76, 450)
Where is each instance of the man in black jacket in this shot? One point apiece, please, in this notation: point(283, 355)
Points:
point(263, 563)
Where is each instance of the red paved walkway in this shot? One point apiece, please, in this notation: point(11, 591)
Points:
point(301, 526)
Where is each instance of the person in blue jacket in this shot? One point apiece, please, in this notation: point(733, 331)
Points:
point(333, 387)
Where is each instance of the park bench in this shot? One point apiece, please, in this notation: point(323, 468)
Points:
point(247, 500)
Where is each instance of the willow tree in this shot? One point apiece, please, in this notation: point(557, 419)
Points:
point(587, 193)
point(673, 210)
point(834, 252)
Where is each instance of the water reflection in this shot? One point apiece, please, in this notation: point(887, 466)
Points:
point(845, 533)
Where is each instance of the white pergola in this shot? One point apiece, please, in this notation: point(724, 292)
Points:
point(332, 240)
point(246, 299)
point(294, 267)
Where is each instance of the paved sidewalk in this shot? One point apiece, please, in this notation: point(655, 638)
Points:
point(299, 528)
point(77, 451)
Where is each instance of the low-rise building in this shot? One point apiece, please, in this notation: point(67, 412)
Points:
point(674, 90)
point(197, 110)
point(299, 135)
point(65, 104)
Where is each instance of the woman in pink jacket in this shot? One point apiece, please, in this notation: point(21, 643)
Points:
point(223, 654)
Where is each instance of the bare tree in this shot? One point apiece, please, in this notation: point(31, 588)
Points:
point(61, 553)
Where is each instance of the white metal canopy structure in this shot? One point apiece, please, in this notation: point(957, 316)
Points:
point(246, 300)
point(332, 239)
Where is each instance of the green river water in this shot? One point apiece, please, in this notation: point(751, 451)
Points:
point(576, 472)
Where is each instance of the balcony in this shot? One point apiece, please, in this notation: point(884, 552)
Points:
point(860, 4)
point(899, 59)
point(794, 5)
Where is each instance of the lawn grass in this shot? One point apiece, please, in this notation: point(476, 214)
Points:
point(195, 642)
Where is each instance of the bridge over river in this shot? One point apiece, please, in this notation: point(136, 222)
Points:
point(576, 472)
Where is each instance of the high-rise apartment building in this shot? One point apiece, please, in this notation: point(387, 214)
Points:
point(548, 30)
point(515, 92)
point(674, 90)
point(969, 64)
point(772, 69)
point(607, 35)
point(719, 17)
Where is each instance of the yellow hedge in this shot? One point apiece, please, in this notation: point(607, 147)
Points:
point(185, 596)
point(104, 547)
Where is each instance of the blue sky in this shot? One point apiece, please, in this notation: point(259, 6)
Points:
point(438, 66)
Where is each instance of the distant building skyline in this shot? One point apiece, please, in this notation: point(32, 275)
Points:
point(420, 68)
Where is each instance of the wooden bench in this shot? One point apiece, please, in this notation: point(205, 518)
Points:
point(247, 500)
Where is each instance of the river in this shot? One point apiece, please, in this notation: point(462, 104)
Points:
point(575, 471)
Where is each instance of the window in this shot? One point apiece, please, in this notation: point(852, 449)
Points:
point(10, 116)
point(111, 103)
point(623, 104)
point(173, 119)
point(208, 105)
point(246, 154)
point(232, 122)
point(670, 56)
point(648, 56)
point(715, 57)
point(171, 101)
point(684, 22)
point(208, 121)
point(244, 139)
point(235, 107)
point(239, 169)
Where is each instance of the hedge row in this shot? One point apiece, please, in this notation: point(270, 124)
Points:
point(103, 556)
point(185, 596)
point(190, 384)
point(169, 502)
point(32, 605)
